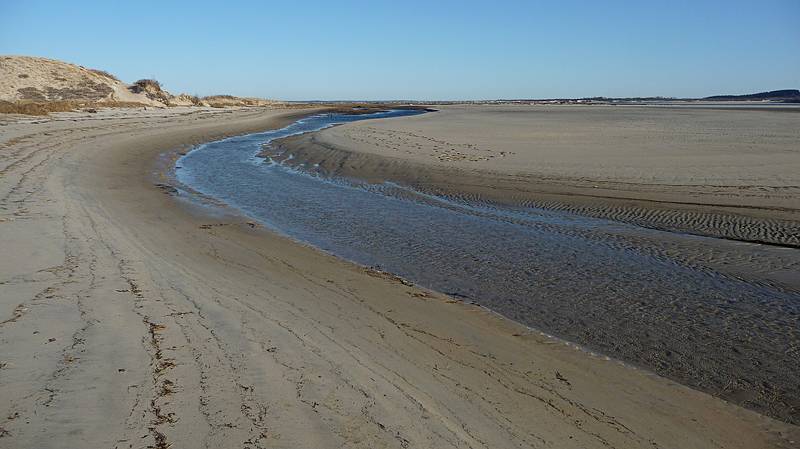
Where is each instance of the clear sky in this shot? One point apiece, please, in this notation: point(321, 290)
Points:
point(435, 49)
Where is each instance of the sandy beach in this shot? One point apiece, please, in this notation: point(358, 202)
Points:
point(131, 319)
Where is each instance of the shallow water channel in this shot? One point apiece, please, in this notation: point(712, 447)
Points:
point(640, 295)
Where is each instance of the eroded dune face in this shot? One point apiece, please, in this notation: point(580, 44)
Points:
point(25, 78)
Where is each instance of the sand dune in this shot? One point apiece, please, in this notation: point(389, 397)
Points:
point(34, 85)
point(41, 79)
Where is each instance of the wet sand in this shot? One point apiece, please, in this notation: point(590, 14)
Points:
point(732, 173)
point(131, 319)
point(725, 341)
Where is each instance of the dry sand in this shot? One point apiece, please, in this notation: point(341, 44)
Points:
point(723, 172)
point(131, 319)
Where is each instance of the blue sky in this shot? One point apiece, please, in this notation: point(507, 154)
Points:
point(421, 49)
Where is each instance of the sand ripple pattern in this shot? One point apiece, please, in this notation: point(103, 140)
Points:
point(735, 227)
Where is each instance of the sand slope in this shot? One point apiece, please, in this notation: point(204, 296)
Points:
point(130, 320)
